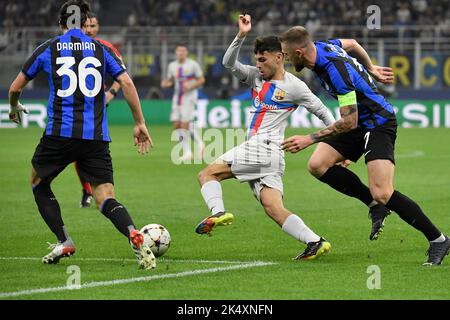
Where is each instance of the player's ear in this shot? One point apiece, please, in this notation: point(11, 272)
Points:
point(299, 53)
point(280, 56)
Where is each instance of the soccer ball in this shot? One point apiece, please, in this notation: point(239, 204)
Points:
point(157, 238)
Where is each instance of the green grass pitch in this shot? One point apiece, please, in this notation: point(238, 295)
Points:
point(250, 259)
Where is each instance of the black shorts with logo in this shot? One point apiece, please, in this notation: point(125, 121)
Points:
point(374, 144)
point(93, 158)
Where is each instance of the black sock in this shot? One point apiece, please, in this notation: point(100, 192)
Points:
point(118, 215)
point(49, 209)
point(346, 182)
point(412, 214)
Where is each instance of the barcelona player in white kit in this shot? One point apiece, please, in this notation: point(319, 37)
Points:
point(186, 76)
point(260, 160)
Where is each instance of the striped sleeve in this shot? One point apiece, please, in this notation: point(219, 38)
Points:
point(114, 66)
point(305, 98)
point(35, 62)
point(335, 42)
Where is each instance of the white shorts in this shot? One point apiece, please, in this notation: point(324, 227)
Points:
point(259, 162)
point(183, 112)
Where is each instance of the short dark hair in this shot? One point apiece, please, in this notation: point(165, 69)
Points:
point(298, 35)
point(270, 44)
point(91, 15)
point(181, 44)
point(85, 9)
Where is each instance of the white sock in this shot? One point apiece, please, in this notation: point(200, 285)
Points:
point(194, 134)
point(184, 138)
point(440, 239)
point(212, 193)
point(295, 227)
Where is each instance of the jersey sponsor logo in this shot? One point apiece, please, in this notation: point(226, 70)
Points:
point(77, 46)
point(257, 102)
point(279, 95)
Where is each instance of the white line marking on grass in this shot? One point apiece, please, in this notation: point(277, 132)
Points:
point(134, 260)
point(411, 154)
point(138, 279)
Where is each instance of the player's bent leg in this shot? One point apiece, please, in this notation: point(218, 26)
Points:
point(381, 174)
point(105, 198)
point(184, 136)
point(86, 192)
point(323, 166)
point(272, 202)
point(316, 246)
point(381, 177)
point(218, 170)
point(117, 213)
point(323, 158)
point(211, 190)
point(51, 213)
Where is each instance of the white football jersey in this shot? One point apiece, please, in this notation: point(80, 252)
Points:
point(187, 71)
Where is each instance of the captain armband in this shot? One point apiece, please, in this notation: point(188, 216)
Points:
point(347, 99)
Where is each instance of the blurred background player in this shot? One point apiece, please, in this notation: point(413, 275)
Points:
point(91, 28)
point(77, 128)
point(186, 76)
point(260, 161)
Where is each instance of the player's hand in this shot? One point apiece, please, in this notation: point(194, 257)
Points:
point(344, 163)
point(295, 144)
point(384, 75)
point(142, 139)
point(166, 83)
point(109, 96)
point(245, 24)
point(15, 113)
point(187, 87)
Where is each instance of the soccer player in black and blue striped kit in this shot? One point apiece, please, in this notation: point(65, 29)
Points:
point(367, 127)
point(77, 128)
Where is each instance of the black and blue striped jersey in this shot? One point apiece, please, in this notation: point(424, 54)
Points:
point(340, 74)
point(76, 66)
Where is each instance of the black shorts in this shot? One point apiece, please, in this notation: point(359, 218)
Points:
point(374, 144)
point(93, 158)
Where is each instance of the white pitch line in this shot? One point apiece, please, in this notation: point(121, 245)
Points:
point(138, 279)
point(411, 154)
point(134, 260)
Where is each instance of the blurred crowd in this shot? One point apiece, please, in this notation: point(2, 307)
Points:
point(311, 13)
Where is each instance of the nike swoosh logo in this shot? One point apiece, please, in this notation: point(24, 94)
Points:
point(365, 154)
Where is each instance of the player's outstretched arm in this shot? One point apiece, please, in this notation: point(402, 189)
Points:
point(382, 74)
point(141, 136)
point(230, 58)
point(313, 104)
point(348, 121)
point(15, 90)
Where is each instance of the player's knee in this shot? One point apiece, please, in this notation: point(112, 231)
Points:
point(273, 210)
point(201, 176)
point(206, 175)
point(317, 167)
point(102, 193)
point(381, 195)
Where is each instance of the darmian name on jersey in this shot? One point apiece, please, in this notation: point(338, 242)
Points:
point(75, 46)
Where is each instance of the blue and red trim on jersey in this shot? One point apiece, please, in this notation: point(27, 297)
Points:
point(265, 98)
point(181, 79)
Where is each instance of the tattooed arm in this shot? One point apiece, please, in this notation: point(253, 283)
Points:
point(348, 121)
